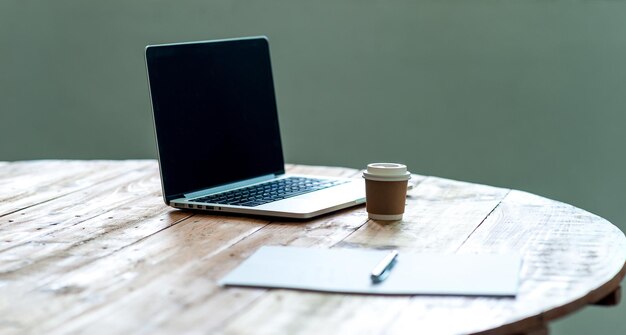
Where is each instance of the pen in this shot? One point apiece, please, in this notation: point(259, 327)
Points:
point(382, 269)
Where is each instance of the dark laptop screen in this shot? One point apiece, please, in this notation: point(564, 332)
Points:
point(214, 112)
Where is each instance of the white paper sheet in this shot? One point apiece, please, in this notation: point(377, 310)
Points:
point(348, 271)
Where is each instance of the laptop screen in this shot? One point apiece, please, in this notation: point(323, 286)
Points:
point(214, 113)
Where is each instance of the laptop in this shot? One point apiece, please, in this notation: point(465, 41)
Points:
point(218, 138)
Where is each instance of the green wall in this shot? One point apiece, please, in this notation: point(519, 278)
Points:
point(522, 94)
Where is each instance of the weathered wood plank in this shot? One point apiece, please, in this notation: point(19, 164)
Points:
point(330, 314)
point(38, 262)
point(116, 280)
point(424, 314)
point(565, 251)
point(131, 264)
point(440, 216)
point(44, 222)
point(29, 183)
point(15, 176)
point(10, 170)
point(29, 281)
point(208, 232)
point(191, 285)
point(568, 252)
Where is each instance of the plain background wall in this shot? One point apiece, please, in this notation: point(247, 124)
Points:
point(521, 94)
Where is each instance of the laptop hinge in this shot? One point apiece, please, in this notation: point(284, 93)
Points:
point(230, 186)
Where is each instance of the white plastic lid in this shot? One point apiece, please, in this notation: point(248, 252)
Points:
point(386, 172)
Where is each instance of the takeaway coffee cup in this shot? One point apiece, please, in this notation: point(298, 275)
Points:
point(385, 190)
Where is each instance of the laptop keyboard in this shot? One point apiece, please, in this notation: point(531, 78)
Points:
point(268, 192)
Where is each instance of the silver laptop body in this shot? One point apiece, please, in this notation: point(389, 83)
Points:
point(218, 140)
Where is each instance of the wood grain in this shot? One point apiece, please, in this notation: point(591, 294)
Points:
point(43, 221)
point(436, 207)
point(86, 226)
point(89, 247)
point(228, 256)
point(25, 184)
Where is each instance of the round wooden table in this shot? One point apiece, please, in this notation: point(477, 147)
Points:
point(89, 246)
